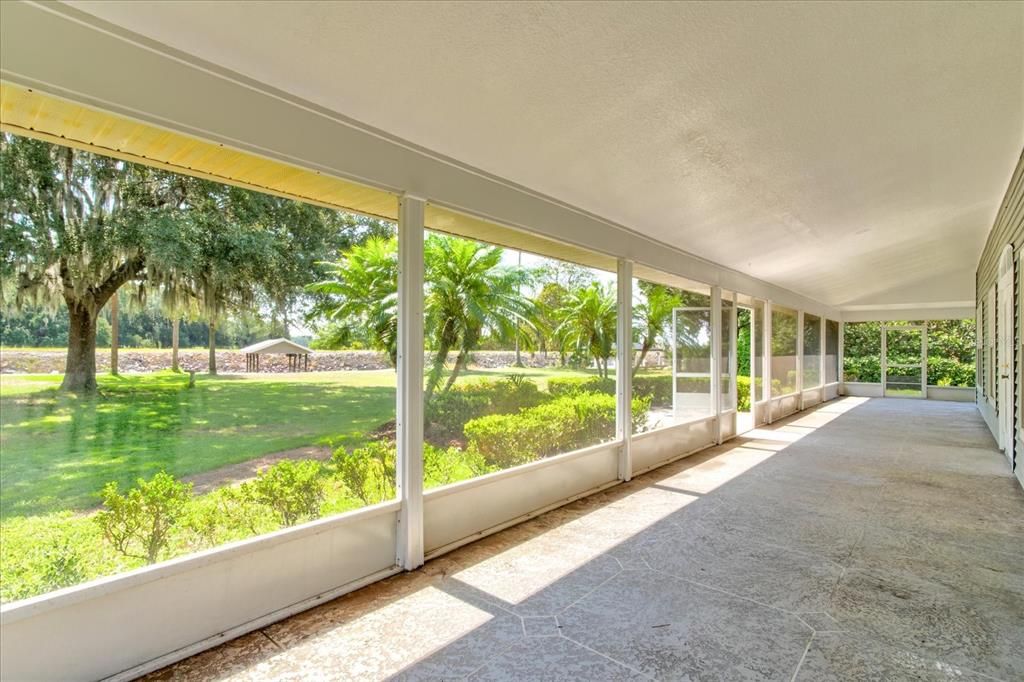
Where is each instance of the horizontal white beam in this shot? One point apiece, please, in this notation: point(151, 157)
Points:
point(886, 314)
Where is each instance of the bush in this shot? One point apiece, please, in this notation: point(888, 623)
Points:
point(138, 523)
point(743, 393)
point(447, 412)
point(442, 466)
point(950, 372)
point(568, 386)
point(565, 424)
point(693, 385)
point(657, 387)
point(368, 472)
point(293, 489)
point(62, 566)
point(867, 369)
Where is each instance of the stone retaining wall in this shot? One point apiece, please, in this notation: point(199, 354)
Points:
point(231, 361)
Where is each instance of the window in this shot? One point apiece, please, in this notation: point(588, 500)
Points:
point(862, 352)
point(672, 350)
point(249, 423)
point(979, 347)
point(812, 351)
point(784, 355)
point(951, 352)
point(520, 358)
point(831, 351)
point(990, 346)
point(758, 364)
point(728, 388)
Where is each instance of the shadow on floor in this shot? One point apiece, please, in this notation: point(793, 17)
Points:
point(862, 539)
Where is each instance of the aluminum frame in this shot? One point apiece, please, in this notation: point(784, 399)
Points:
point(923, 365)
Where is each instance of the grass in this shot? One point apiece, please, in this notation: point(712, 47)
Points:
point(59, 450)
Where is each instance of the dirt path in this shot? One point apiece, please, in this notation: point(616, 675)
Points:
point(243, 471)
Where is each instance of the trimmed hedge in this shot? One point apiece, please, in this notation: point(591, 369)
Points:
point(568, 423)
point(656, 387)
point(446, 413)
point(568, 386)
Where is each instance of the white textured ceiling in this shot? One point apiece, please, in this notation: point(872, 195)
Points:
point(854, 153)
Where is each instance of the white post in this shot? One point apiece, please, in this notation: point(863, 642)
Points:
point(768, 359)
point(624, 368)
point(840, 373)
point(822, 347)
point(734, 357)
point(409, 416)
point(716, 359)
point(924, 367)
point(800, 358)
point(883, 362)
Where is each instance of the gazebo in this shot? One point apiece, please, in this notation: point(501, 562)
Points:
point(298, 355)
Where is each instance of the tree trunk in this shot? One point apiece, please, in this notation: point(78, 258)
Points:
point(213, 348)
point(80, 370)
point(640, 360)
point(436, 372)
point(174, 346)
point(460, 364)
point(114, 328)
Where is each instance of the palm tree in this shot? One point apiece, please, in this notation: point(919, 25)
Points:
point(470, 295)
point(363, 287)
point(587, 323)
point(653, 316)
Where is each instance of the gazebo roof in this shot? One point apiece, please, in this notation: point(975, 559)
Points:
point(275, 346)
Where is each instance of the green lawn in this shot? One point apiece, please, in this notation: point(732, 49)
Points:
point(59, 451)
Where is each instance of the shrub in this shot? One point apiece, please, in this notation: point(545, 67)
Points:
point(657, 387)
point(565, 424)
point(62, 566)
point(368, 472)
point(567, 386)
point(743, 393)
point(867, 369)
point(226, 514)
point(442, 466)
point(447, 412)
point(693, 385)
point(139, 522)
point(950, 372)
point(293, 489)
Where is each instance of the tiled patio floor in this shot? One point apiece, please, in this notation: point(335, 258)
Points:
point(862, 540)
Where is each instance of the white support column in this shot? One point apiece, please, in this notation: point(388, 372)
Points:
point(924, 366)
point(768, 359)
point(822, 346)
point(840, 374)
point(716, 359)
point(624, 368)
point(409, 417)
point(755, 397)
point(885, 352)
point(800, 358)
point(734, 357)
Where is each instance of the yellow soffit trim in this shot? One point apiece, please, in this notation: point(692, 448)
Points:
point(33, 114)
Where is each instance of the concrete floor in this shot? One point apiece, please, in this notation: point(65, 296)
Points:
point(862, 540)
